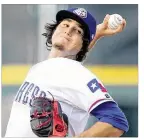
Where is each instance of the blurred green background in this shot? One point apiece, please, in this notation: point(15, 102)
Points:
point(114, 59)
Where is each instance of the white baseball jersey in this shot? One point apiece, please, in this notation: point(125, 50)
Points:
point(77, 89)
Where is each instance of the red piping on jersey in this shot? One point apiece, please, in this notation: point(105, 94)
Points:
point(96, 103)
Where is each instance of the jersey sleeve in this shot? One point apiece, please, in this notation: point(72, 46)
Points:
point(92, 91)
point(97, 93)
point(110, 112)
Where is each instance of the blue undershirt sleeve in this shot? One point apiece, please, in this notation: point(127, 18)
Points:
point(109, 112)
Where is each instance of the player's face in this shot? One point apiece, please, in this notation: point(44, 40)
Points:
point(68, 36)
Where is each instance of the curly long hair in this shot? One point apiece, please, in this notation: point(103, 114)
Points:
point(50, 28)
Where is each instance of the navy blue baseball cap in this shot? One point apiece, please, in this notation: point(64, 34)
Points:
point(83, 17)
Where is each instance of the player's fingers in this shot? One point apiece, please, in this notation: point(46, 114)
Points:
point(124, 23)
point(105, 21)
point(120, 27)
point(118, 30)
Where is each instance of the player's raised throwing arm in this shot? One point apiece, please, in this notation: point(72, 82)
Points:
point(104, 30)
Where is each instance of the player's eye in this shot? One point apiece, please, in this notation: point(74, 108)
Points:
point(65, 25)
point(79, 32)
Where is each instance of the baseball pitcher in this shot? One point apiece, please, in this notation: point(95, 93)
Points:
point(59, 94)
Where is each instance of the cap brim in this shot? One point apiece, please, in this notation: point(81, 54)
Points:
point(63, 14)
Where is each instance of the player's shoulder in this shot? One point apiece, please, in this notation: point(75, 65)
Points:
point(37, 65)
point(78, 69)
point(57, 60)
point(63, 64)
point(64, 61)
point(73, 65)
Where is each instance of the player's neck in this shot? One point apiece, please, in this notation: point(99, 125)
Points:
point(58, 53)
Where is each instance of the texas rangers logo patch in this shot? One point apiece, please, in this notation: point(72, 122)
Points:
point(94, 85)
point(81, 12)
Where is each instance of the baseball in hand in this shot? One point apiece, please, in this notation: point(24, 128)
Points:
point(114, 21)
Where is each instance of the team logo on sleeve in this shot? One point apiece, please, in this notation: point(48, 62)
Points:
point(94, 85)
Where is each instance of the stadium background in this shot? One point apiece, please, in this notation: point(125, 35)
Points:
point(114, 59)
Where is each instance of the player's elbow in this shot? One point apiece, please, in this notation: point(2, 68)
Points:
point(109, 130)
point(116, 132)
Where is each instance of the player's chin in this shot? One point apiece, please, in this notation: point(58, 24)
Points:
point(59, 46)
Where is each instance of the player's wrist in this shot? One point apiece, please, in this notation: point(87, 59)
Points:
point(99, 31)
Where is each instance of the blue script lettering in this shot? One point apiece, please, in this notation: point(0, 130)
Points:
point(27, 92)
point(25, 98)
point(21, 91)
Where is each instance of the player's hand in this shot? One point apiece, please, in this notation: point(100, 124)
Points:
point(103, 30)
